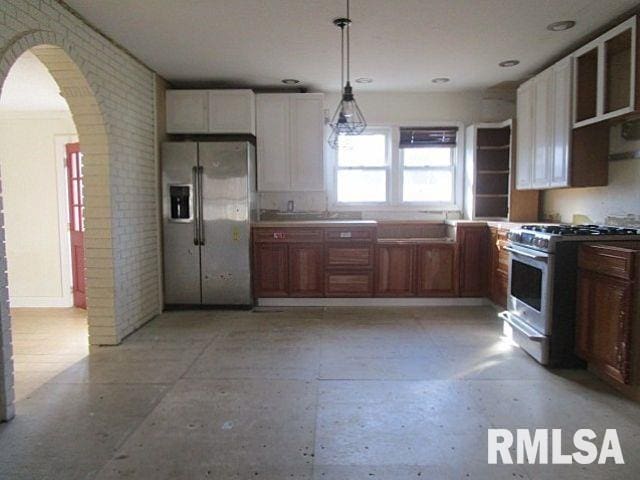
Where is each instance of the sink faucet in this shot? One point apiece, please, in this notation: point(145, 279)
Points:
point(290, 206)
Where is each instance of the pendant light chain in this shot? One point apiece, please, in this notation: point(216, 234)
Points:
point(348, 46)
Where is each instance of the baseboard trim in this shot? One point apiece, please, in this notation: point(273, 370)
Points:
point(373, 302)
point(40, 302)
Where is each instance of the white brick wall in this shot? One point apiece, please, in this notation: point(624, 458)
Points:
point(112, 99)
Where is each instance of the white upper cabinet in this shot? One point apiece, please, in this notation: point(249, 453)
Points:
point(211, 111)
point(605, 76)
point(544, 129)
point(290, 142)
point(559, 162)
point(307, 141)
point(232, 111)
point(187, 111)
point(273, 142)
point(524, 138)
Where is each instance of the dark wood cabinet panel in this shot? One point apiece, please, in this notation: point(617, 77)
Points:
point(270, 270)
point(349, 234)
point(473, 260)
point(287, 235)
point(349, 255)
point(499, 267)
point(348, 284)
point(306, 266)
point(436, 270)
point(395, 270)
point(607, 260)
point(603, 332)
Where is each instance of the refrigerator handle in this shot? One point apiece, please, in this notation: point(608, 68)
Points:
point(201, 234)
point(196, 207)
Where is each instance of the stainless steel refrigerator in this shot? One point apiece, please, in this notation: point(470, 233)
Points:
point(208, 204)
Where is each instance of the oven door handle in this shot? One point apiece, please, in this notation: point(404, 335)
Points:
point(525, 254)
point(531, 333)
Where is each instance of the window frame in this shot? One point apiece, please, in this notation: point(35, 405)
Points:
point(395, 171)
point(388, 167)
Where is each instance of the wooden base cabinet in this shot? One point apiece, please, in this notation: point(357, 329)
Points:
point(473, 259)
point(306, 276)
point(499, 268)
point(270, 270)
point(436, 270)
point(395, 270)
point(608, 307)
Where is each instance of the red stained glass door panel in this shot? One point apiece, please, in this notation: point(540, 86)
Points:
point(76, 223)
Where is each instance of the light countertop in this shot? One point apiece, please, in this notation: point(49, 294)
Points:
point(313, 223)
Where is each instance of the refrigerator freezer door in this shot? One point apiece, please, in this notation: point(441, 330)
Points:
point(179, 218)
point(226, 277)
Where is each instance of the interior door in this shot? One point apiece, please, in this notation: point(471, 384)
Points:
point(226, 278)
point(76, 223)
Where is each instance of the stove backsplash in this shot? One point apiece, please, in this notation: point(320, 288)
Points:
point(616, 204)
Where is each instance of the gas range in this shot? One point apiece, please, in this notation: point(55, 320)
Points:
point(544, 237)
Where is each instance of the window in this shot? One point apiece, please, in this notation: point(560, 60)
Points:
point(398, 168)
point(362, 168)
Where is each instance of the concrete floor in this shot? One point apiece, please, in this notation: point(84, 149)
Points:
point(332, 394)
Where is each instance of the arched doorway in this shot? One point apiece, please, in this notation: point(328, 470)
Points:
point(79, 93)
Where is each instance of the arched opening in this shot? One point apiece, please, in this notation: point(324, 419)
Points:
point(83, 273)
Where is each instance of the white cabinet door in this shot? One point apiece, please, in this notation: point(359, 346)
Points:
point(187, 111)
point(232, 111)
point(543, 129)
point(524, 137)
point(559, 165)
point(307, 158)
point(273, 153)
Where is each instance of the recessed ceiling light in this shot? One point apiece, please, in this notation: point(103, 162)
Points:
point(441, 80)
point(290, 81)
point(509, 63)
point(561, 26)
point(364, 80)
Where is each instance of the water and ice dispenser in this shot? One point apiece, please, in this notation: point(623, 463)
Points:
point(181, 206)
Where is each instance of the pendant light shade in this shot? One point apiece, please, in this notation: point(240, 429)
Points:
point(348, 118)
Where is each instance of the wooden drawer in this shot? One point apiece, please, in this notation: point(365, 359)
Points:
point(354, 255)
point(349, 234)
point(287, 235)
point(348, 284)
point(607, 260)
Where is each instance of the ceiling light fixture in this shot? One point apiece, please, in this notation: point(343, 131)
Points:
point(509, 63)
point(441, 80)
point(348, 118)
point(561, 26)
point(364, 80)
point(290, 81)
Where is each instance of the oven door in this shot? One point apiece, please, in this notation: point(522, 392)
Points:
point(530, 287)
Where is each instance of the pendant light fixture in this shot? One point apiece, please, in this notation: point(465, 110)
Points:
point(348, 118)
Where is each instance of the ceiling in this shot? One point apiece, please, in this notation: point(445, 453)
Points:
point(30, 87)
point(401, 44)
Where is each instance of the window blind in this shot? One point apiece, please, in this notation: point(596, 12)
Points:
point(420, 137)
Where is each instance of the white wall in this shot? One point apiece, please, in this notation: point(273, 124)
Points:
point(403, 109)
point(33, 190)
point(618, 202)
